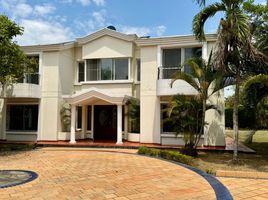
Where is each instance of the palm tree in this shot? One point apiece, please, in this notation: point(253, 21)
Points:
point(256, 93)
point(206, 81)
point(234, 40)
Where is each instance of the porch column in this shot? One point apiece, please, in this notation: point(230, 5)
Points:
point(119, 124)
point(73, 115)
point(84, 121)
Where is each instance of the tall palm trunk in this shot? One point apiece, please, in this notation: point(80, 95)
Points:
point(235, 119)
point(202, 122)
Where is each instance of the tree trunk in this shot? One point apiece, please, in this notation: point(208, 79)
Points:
point(203, 123)
point(235, 120)
point(2, 113)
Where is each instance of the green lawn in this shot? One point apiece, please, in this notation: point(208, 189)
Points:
point(212, 161)
point(259, 136)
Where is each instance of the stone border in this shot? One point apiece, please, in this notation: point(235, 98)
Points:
point(242, 174)
point(33, 176)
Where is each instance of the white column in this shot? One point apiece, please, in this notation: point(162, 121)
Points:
point(73, 115)
point(119, 124)
point(126, 123)
point(92, 122)
point(84, 121)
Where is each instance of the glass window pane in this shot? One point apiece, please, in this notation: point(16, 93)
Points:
point(106, 66)
point(121, 69)
point(92, 70)
point(79, 117)
point(171, 62)
point(81, 71)
point(22, 118)
point(171, 57)
point(30, 117)
point(191, 53)
point(138, 69)
point(167, 125)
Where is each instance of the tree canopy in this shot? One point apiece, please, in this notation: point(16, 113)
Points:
point(13, 61)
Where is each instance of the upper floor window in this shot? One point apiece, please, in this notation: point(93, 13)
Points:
point(138, 69)
point(107, 69)
point(81, 71)
point(32, 77)
point(172, 59)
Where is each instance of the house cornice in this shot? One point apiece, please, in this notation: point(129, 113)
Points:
point(48, 47)
point(105, 32)
point(173, 40)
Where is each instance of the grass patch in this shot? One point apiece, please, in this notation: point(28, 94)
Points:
point(213, 161)
point(169, 155)
point(259, 140)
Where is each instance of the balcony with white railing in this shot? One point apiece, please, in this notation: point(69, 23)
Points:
point(26, 87)
point(165, 76)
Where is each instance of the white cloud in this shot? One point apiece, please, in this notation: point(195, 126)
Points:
point(84, 2)
point(22, 10)
point(160, 30)
point(99, 17)
point(43, 32)
point(99, 2)
point(44, 9)
point(140, 31)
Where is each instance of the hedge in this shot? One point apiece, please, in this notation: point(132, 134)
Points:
point(169, 155)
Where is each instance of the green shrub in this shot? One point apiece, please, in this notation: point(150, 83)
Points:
point(169, 155)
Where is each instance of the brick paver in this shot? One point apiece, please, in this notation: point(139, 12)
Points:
point(72, 173)
point(245, 188)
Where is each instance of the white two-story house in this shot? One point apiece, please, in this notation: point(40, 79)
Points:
point(96, 76)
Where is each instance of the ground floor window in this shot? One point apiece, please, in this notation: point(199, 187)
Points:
point(166, 123)
point(22, 118)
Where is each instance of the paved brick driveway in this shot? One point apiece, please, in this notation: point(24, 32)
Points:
point(118, 174)
point(98, 174)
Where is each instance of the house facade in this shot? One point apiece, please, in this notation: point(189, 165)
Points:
point(82, 90)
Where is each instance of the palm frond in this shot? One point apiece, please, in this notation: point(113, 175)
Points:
point(200, 19)
point(187, 78)
point(261, 78)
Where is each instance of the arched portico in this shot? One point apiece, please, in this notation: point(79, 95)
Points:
point(104, 102)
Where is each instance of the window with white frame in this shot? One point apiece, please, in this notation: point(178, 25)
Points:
point(174, 58)
point(81, 71)
point(33, 77)
point(107, 69)
point(138, 69)
point(22, 118)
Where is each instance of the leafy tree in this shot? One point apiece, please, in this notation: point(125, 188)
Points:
point(233, 47)
point(13, 61)
point(258, 14)
point(206, 81)
point(185, 116)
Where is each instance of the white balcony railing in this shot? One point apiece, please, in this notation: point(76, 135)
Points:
point(165, 75)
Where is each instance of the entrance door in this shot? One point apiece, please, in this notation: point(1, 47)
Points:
point(105, 122)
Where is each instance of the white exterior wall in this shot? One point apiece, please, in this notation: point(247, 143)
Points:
point(50, 101)
point(107, 47)
point(149, 102)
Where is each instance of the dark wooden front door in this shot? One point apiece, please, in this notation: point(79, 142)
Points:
point(105, 122)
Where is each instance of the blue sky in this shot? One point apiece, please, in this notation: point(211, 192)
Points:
point(50, 21)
